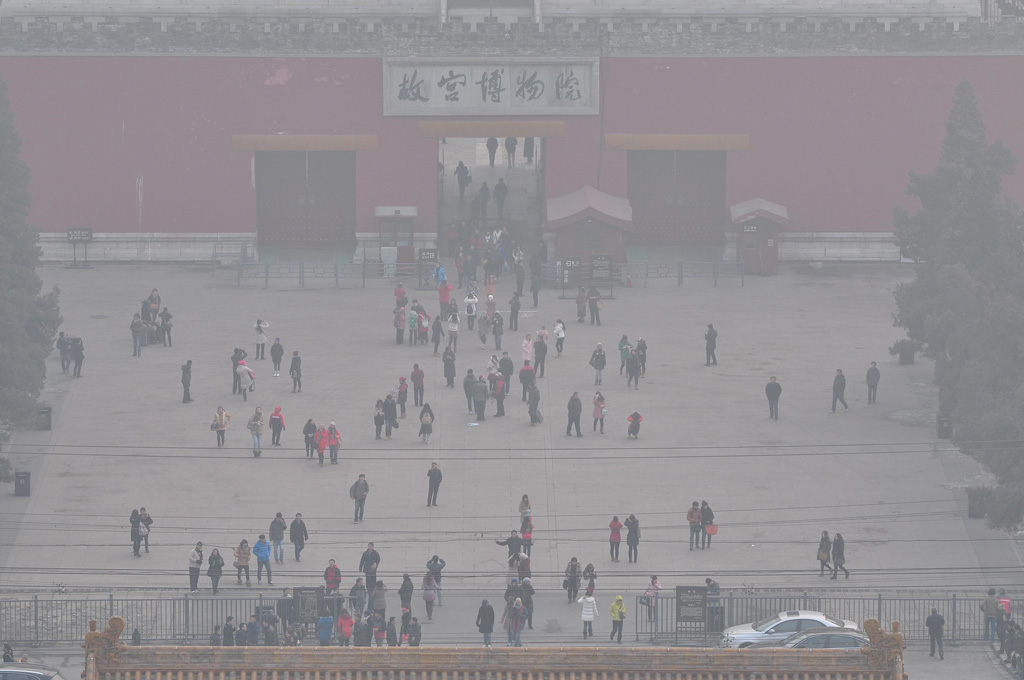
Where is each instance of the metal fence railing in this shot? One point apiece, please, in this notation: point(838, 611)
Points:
point(964, 619)
point(629, 274)
point(190, 619)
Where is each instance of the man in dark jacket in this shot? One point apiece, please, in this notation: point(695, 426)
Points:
point(433, 483)
point(298, 535)
point(839, 390)
point(540, 354)
point(506, 367)
point(492, 148)
point(480, 398)
point(710, 342)
point(277, 527)
point(186, 381)
point(467, 387)
point(515, 546)
point(415, 633)
point(773, 391)
point(434, 566)
point(935, 622)
point(390, 415)
point(874, 375)
point(575, 411)
point(369, 562)
point(358, 493)
point(500, 194)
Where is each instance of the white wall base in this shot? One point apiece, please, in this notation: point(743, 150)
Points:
point(838, 247)
point(155, 247)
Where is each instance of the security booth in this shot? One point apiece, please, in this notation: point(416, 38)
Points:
point(396, 227)
point(426, 261)
point(758, 223)
point(588, 222)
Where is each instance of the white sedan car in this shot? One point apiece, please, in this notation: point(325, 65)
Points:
point(778, 627)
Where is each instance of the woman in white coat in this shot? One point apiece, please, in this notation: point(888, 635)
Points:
point(589, 612)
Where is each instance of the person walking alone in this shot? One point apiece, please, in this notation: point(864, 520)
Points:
point(773, 390)
point(186, 381)
point(873, 376)
point(426, 423)
point(839, 390)
point(618, 612)
point(934, 623)
point(433, 484)
point(256, 429)
point(215, 570)
point(295, 371)
point(220, 424)
point(358, 493)
point(710, 342)
point(485, 622)
point(598, 360)
point(276, 355)
point(261, 339)
point(298, 536)
point(600, 411)
point(309, 433)
point(276, 426)
point(575, 409)
point(588, 612)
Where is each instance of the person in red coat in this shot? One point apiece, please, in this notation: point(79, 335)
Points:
point(332, 577)
point(320, 439)
point(403, 394)
point(615, 537)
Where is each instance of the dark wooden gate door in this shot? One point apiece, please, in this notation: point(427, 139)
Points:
point(305, 197)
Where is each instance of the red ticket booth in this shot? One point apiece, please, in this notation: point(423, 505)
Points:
point(758, 223)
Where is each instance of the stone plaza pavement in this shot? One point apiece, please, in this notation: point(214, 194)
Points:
point(123, 439)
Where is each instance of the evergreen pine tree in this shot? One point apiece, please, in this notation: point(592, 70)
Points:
point(28, 318)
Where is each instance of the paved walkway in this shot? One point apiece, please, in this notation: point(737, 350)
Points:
point(122, 438)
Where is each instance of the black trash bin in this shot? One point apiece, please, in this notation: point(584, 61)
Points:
point(22, 483)
point(943, 428)
point(46, 418)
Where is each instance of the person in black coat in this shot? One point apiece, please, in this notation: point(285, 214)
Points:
point(449, 366)
point(308, 433)
point(839, 390)
point(575, 411)
point(710, 342)
point(485, 622)
point(186, 381)
point(773, 391)
point(276, 354)
point(467, 387)
point(492, 148)
point(506, 367)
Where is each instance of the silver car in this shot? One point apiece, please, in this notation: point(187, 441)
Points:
point(778, 627)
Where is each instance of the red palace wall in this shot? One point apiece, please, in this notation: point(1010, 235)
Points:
point(831, 138)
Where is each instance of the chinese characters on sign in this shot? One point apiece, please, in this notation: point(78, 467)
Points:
point(523, 87)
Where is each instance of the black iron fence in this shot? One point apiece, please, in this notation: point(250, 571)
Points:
point(657, 622)
point(190, 619)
